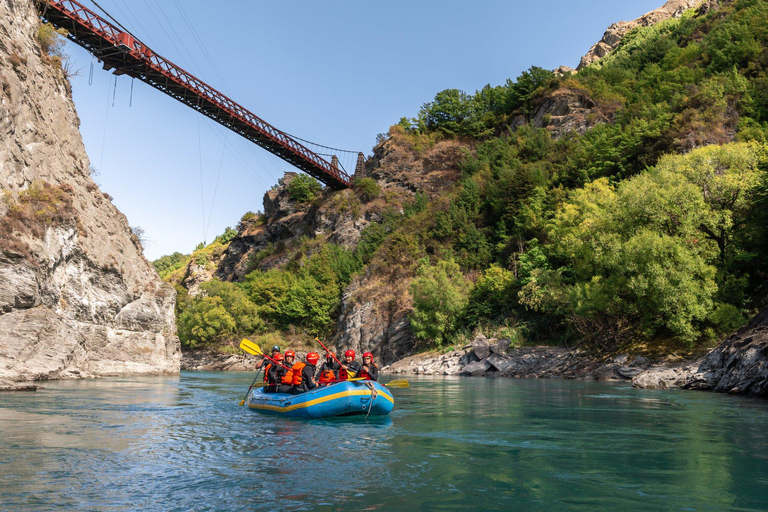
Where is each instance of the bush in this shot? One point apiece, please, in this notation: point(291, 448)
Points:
point(40, 206)
point(439, 298)
point(368, 188)
point(222, 311)
point(168, 264)
point(49, 40)
point(304, 188)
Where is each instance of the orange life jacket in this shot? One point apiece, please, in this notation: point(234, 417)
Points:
point(288, 377)
point(327, 376)
point(266, 372)
point(297, 374)
point(364, 374)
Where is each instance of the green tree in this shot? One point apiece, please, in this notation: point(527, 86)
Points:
point(439, 298)
point(491, 297)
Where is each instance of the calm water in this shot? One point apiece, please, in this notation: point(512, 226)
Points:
point(181, 443)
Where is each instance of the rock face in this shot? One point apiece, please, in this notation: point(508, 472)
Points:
point(612, 36)
point(286, 221)
point(376, 305)
point(738, 365)
point(566, 110)
point(77, 298)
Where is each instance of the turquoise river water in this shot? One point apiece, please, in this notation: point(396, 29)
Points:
point(182, 443)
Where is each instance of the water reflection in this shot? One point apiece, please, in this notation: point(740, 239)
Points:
point(183, 444)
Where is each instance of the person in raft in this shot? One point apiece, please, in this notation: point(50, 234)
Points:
point(328, 370)
point(369, 371)
point(259, 364)
point(286, 376)
point(304, 374)
point(271, 374)
point(349, 368)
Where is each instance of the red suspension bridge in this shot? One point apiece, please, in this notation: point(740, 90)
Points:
point(122, 52)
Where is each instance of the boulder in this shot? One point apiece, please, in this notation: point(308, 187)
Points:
point(501, 346)
point(481, 347)
point(500, 363)
point(476, 369)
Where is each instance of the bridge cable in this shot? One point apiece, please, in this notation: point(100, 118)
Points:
point(244, 161)
point(216, 188)
point(104, 131)
point(114, 92)
point(202, 190)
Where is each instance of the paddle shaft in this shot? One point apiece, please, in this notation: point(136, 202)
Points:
point(326, 349)
point(251, 386)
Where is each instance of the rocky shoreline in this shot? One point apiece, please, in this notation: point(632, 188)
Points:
point(494, 358)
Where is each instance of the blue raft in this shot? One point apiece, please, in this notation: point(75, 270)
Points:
point(339, 399)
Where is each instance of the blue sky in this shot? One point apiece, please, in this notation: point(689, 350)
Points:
point(336, 72)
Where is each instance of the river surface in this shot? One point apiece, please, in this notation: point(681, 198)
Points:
point(182, 443)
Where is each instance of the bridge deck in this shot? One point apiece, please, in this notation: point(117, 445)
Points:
point(120, 51)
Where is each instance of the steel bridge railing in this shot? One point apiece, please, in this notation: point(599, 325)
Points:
point(121, 51)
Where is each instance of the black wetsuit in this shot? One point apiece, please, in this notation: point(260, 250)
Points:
point(353, 368)
point(307, 380)
point(279, 386)
point(373, 371)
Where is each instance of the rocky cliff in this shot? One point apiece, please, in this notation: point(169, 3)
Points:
point(739, 365)
point(77, 298)
point(612, 36)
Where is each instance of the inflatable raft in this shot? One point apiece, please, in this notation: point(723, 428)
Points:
point(341, 399)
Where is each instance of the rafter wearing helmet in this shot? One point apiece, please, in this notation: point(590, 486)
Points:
point(369, 369)
point(304, 374)
point(349, 367)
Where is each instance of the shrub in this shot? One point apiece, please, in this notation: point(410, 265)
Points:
point(223, 310)
point(49, 40)
point(304, 188)
point(40, 206)
point(439, 297)
point(168, 264)
point(368, 188)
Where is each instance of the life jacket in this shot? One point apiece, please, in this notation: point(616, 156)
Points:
point(343, 375)
point(297, 373)
point(364, 374)
point(266, 372)
point(327, 376)
point(288, 377)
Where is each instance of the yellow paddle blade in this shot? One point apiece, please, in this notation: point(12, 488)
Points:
point(400, 383)
point(251, 347)
point(242, 402)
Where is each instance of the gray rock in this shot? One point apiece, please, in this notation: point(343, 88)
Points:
point(468, 357)
point(501, 346)
point(501, 363)
point(481, 347)
point(476, 369)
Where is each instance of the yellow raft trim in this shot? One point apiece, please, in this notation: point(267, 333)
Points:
point(318, 401)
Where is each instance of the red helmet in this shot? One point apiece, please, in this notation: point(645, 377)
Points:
point(349, 353)
point(368, 354)
point(278, 357)
point(313, 357)
point(290, 353)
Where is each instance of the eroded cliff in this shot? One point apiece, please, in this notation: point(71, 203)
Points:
point(77, 297)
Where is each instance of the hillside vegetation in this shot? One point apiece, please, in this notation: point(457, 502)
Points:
point(646, 227)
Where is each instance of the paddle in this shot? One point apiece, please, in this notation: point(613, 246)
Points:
point(399, 383)
point(242, 402)
point(328, 351)
point(253, 349)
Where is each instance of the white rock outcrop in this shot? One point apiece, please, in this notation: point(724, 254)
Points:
point(77, 297)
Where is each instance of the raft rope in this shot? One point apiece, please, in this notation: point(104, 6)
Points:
point(374, 394)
